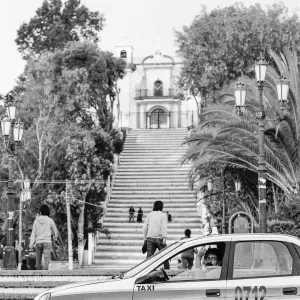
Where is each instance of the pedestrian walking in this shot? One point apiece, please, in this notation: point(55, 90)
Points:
point(140, 215)
point(43, 230)
point(131, 214)
point(155, 230)
point(187, 257)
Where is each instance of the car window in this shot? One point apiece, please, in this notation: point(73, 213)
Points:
point(260, 259)
point(144, 264)
point(201, 262)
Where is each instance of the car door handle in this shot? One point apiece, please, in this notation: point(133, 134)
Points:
point(213, 293)
point(290, 291)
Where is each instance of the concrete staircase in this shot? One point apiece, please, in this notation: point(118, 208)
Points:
point(150, 169)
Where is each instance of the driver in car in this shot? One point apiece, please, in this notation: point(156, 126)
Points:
point(211, 267)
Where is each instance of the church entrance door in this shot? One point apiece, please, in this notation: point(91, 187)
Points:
point(158, 119)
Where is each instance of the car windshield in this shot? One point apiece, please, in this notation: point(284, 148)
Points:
point(145, 263)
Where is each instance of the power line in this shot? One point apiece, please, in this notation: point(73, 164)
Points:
point(60, 181)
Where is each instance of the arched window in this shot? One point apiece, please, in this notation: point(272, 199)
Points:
point(158, 88)
point(123, 54)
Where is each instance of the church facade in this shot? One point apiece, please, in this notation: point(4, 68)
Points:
point(148, 97)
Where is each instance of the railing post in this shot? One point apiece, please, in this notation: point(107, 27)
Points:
point(94, 247)
point(90, 248)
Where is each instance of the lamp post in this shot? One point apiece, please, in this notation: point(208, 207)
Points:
point(237, 184)
point(27, 197)
point(260, 72)
point(209, 183)
point(240, 97)
point(12, 132)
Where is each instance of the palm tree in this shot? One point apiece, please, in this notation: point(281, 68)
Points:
point(227, 138)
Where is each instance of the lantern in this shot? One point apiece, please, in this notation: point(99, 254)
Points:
point(283, 89)
point(5, 126)
point(240, 94)
point(238, 185)
point(18, 131)
point(261, 69)
point(209, 184)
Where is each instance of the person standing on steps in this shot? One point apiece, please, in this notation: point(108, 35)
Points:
point(187, 257)
point(169, 217)
point(139, 218)
point(43, 230)
point(131, 214)
point(155, 230)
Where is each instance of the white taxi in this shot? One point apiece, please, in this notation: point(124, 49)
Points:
point(248, 266)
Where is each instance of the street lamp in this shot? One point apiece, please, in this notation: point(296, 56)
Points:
point(282, 92)
point(27, 197)
point(209, 184)
point(237, 185)
point(240, 95)
point(12, 133)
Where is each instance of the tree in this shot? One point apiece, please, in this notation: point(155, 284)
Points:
point(93, 88)
point(63, 94)
point(222, 45)
point(62, 99)
point(43, 114)
point(88, 171)
point(227, 138)
point(55, 24)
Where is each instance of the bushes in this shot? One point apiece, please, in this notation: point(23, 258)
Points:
point(287, 218)
point(283, 227)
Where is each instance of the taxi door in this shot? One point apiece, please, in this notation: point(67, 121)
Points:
point(261, 270)
point(181, 290)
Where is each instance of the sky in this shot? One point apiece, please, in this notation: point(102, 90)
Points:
point(143, 23)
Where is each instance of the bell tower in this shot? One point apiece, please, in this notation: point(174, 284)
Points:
point(122, 118)
point(125, 51)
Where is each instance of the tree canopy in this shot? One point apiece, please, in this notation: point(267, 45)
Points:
point(222, 45)
point(55, 24)
point(228, 139)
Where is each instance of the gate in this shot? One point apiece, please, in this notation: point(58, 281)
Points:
point(158, 119)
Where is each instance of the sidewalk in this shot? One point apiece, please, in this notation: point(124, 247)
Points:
point(27, 284)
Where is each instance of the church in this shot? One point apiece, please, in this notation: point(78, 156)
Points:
point(147, 97)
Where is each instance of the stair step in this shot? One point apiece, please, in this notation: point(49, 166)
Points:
point(145, 203)
point(133, 170)
point(129, 227)
point(183, 220)
point(168, 201)
point(154, 176)
point(176, 215)
point(155, 192)
point(149, 199)
point(157, 189)
point(120, 210)
point(117, 256)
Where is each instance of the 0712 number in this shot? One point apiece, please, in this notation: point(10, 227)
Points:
point(243, 293)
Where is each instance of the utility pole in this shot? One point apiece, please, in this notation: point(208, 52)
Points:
point(70, 248)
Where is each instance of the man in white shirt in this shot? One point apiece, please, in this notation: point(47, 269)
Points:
point(155, 230)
